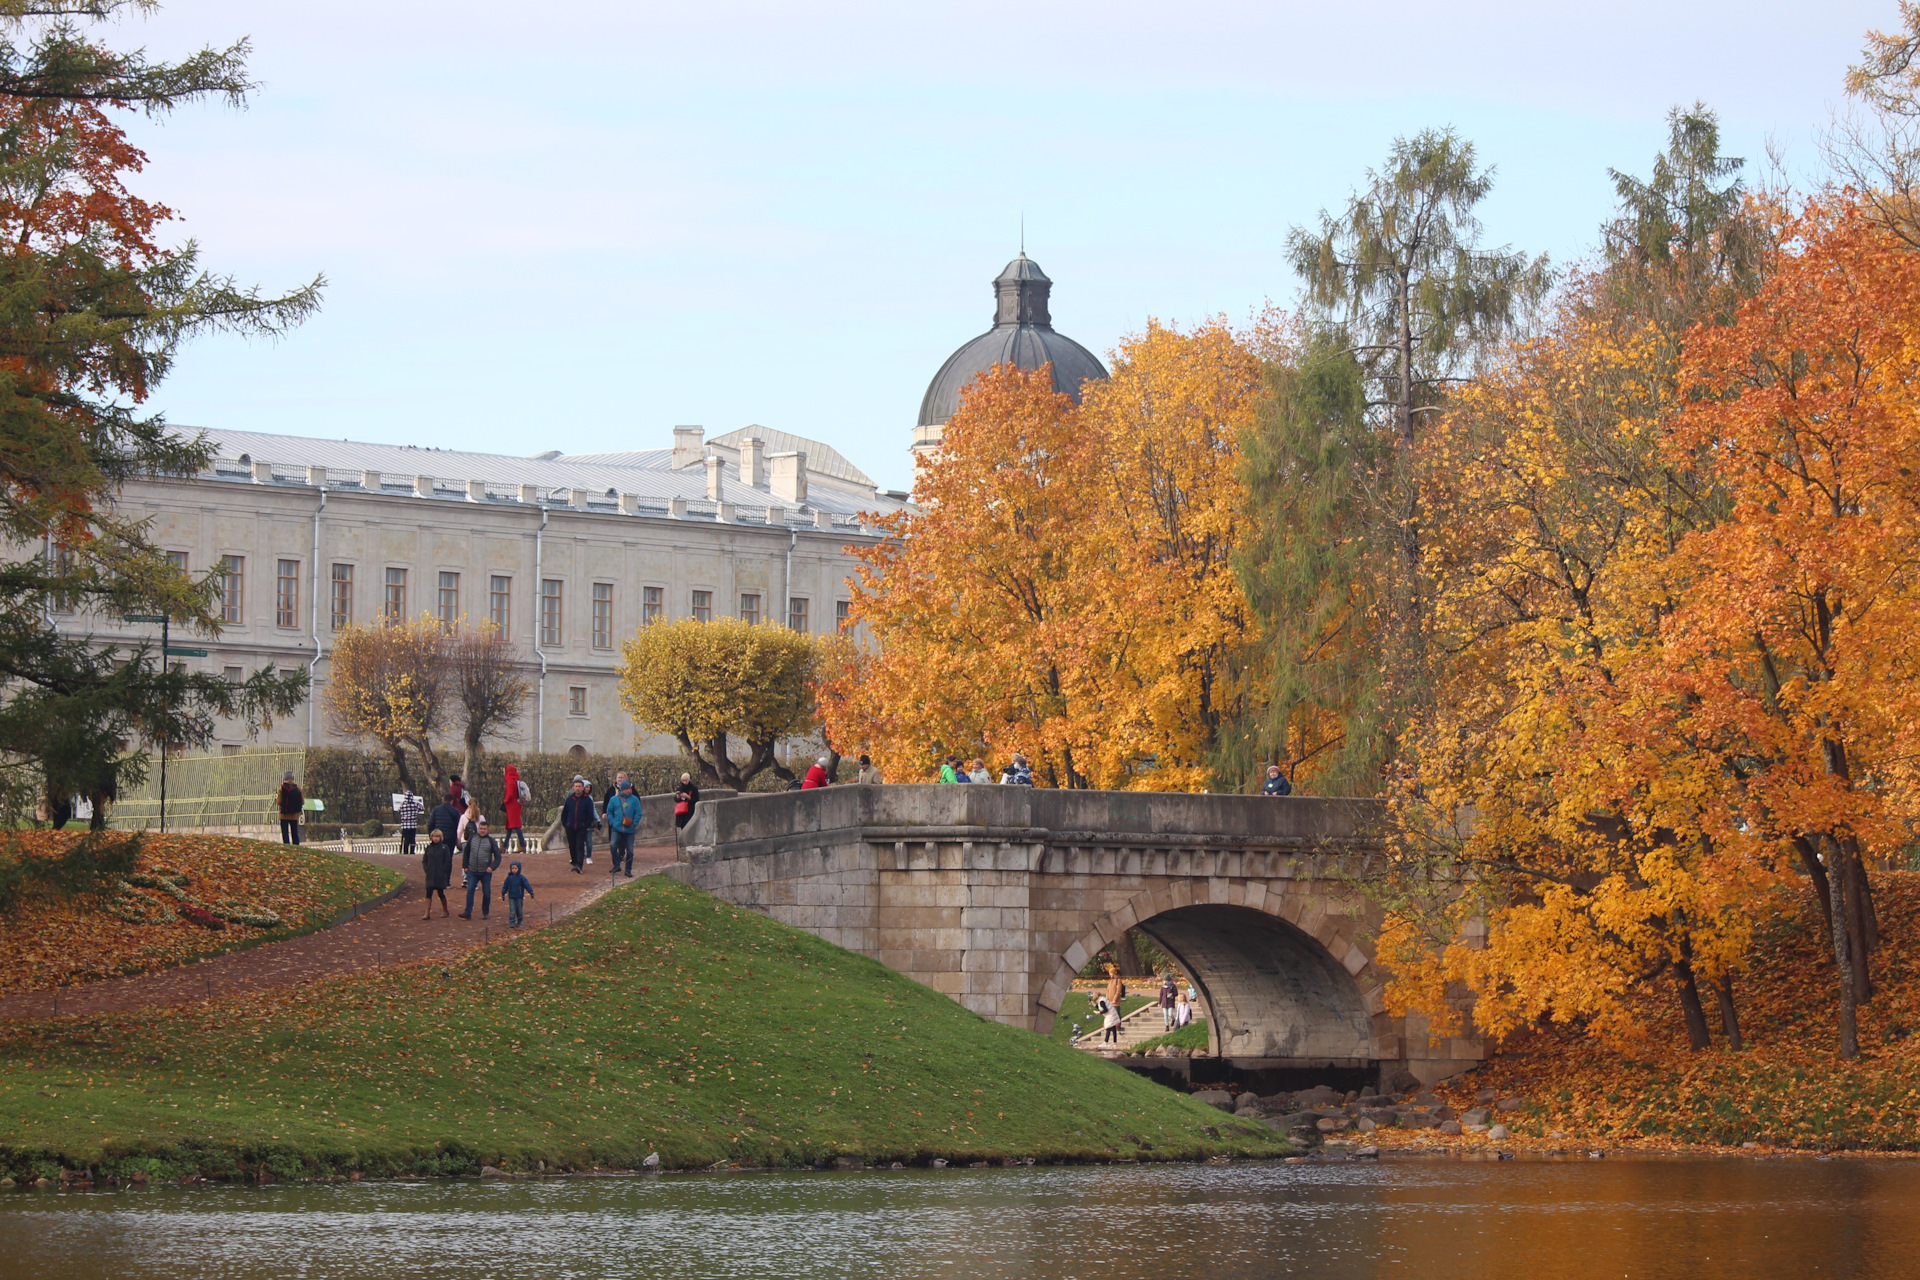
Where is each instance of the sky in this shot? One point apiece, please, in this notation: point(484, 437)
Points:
point(576, 226)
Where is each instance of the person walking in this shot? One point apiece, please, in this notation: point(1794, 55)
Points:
point(437, 865)
point(457, 791)
point(623, 823)
point(1182, 1011)
point(577, 819)
point(1276, 783)
point(816, 776)
point(685, 796)
point(977, 771)
point(516, 889)
point(1116, 987)
point(446, 819)
point(515, 797)
point(409, 810)
point(1110, 1022)
point(1169, 997)
point(1018, 774)
point(481, 857)
point(869, 773)
point(471, 815)
point(292, 801)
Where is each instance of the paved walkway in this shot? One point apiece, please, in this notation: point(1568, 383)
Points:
point(392, 934)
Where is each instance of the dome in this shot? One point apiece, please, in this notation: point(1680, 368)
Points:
point(1022, 335)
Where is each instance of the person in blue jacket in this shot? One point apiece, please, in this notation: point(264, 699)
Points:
point(623, 823)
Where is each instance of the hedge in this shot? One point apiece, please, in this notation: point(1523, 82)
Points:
point(358, 785)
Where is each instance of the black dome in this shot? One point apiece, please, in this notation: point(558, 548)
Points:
point(1022, 335)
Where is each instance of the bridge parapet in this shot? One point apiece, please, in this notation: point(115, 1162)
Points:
point(997, 895)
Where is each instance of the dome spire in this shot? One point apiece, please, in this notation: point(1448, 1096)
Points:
point(1020, 294)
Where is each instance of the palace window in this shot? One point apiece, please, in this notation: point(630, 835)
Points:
point(603, 615)
point(703, 606)
point(232, 588)
point(842, 614)
point(797, 613)
point(750, 610)
point(448, 603)
point(395, 608)
point(653, 604)
point(577, 700)
point(500, 602)
point(340, 596)
point(550, 611)
point(286, 594)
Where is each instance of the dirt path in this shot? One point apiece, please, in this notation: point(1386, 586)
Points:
point(391, 934)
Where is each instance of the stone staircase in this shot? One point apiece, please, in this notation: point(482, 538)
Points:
point(1136, 1028)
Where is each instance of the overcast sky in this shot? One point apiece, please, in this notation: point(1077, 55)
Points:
point(574, 226)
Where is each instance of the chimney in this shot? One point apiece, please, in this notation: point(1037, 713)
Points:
point(688, 446)
point(316, 476)
point(751, 470)
point(788, 477)
point(423, 486)
point(716, 468)
point(677, 508)
point(629, 504)
point(370, 481)
point(476, 491)
point(530, 493)
point(263, 473)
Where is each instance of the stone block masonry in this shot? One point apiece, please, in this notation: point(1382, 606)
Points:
point(996, 896)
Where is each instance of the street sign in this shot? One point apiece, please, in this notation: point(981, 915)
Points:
point(141, 617)
point(185, 653)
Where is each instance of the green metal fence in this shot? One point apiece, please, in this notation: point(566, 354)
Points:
point(212, 790)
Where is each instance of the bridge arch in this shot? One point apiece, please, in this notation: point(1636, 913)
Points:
point(1269, 988)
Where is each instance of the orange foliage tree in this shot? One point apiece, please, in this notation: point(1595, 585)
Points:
point(1065, 589)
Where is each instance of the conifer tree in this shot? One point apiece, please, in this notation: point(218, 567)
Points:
point(92, 311)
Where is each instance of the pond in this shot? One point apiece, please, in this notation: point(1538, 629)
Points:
point(1434, 1219)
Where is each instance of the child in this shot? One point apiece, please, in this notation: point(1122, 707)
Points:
point(1109, 1019)
point(1182, 1011)
point(437, 863)
point(515, 890)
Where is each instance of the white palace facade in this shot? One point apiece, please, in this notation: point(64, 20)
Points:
point(569, 554)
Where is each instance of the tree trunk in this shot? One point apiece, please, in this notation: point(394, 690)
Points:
point(471, 765)
point(399, 753)
point(1729, 1016)
point(1817, 872)
point(1126, 957)
point(1698, 1037)
point(1842, 958)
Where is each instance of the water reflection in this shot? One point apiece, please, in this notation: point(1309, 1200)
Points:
point(1646, 1219)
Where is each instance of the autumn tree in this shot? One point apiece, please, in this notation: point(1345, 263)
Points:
point(710, 683)
point(388, 682)
point(1067, 589)
point(487, 683)
point(92, 311)
point(1538, 800)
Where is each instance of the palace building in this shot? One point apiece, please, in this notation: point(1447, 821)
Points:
point(567, 553)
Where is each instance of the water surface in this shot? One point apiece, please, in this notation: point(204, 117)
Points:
point(1437, 1220)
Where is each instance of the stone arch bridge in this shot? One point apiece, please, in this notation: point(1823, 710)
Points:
point(997, 895)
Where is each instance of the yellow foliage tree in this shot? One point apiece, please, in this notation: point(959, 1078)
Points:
point(706, 683)
point(386, 682)
point(1065, 590)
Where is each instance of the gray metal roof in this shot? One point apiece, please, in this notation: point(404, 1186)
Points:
point(1022, 335)
point(563, 480)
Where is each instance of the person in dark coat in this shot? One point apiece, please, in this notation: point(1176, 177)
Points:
point(1276, 783)
point(577, 819)
point(446, 819)
point(482, 858)
point(291, 803)
point(685, 796)
point(437, 863)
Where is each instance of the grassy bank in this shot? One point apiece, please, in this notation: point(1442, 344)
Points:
point(659, 1020)
point(61, 940)
point(1788, 1089)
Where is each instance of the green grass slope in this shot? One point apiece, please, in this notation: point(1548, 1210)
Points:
point(661, 1019)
